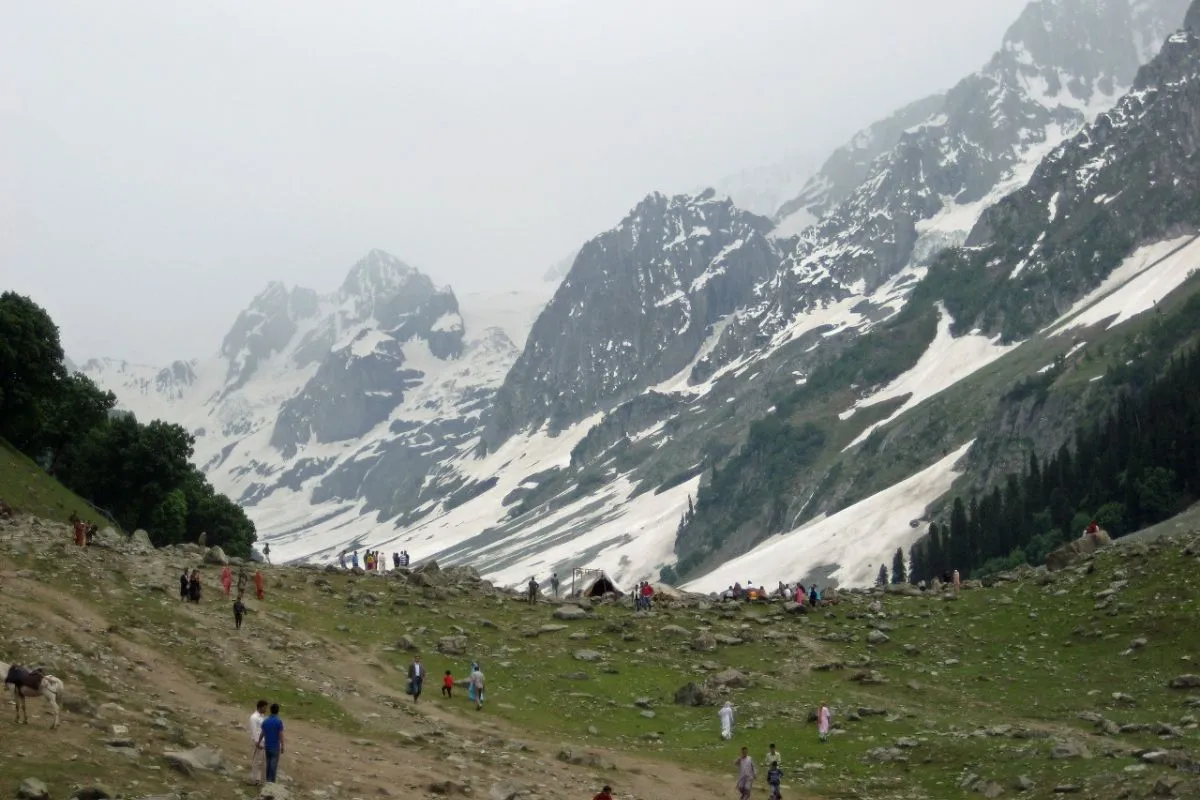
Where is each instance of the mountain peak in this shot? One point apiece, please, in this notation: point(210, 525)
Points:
point(378, 272)
point(1192, 21)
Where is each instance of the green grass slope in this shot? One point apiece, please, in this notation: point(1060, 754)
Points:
point(26, 487)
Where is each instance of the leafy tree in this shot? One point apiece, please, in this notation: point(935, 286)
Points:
point(77, 407)
point(1111, 517)
point(169, 519)
point(31, 367)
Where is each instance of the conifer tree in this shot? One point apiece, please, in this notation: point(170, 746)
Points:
point(882, 578)
point(899, 573)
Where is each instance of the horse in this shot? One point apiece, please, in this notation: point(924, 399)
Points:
point(32, 684)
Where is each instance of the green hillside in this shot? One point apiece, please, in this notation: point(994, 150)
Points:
point(26, 487)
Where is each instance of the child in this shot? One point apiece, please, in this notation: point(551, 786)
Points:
point(447, 684)
point(774, 777)
point(239, 609)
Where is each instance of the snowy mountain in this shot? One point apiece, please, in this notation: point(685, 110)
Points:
point(811, 396)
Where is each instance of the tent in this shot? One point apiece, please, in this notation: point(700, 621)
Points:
point(600, 586)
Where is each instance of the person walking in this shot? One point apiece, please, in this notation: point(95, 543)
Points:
point(227, 580)
point(823, 720)
point(267, 552)
point(746, 774)
point(239, 611)
point(554, 584)
point(183, 586)
point(533, 591)
point(258, 760)
point(605, 794)
point(475, 684)
point(416, 677)
point(194, 586)
point(726, 716)
point(271, 739)
point(242, 581)
point(258, 584)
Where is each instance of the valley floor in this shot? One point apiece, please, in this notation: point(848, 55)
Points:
point(1049, 681)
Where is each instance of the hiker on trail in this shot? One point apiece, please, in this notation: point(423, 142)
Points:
point(726, 716)
point(605, 794)
point(746, 774)
point(957, 582)
point(226, 579)
point(342, 559)
point(369, 561)
point(194, 586)
point(448, 685)
point(475, 685)
point(727, 594)
point(241, 581)
point(271, 740)
point(554, 584)
point(737, 591)
point(92, 530)
point(773, 756)
point(258, 758)
point(533, 591)
point(823, 717)
point(239, 611)
point(183, 586)
point(354, 560)
point(258, 584)
point(404, 560)
point(814, 596)
point(267, 552)
point(396, 560)
point(80, 531)
point(774, 778)
point(416, 677)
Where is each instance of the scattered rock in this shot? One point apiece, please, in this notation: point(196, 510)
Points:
point(676, 631)
point(140, 540)
point(32, 789)
point(693, 694)
point(586, 655)
point(189, 762)
point(570, 613)
point(730, 678)
point(453, 645)
point(1069, 750)
point(1185, 682)
point(877, 637)
point(95, 791)
point(868, 677)
point(704, 642)
point(215, 555)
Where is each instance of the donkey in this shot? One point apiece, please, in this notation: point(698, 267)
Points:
point(32, 684)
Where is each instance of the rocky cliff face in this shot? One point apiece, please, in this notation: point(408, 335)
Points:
point(635, 309)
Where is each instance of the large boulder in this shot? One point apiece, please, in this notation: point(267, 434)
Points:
point(215, 555)
point(198, 759)
point(1076, 549)
point(32, 789)
point(570, 613)
point(693, 694)
point(140, 540)
point(452, 645)
point(704, 642)
point(729, 678)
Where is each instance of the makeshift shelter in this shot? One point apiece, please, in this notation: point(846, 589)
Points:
point(599, 586)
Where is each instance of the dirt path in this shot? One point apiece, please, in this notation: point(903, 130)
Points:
point(490, 754)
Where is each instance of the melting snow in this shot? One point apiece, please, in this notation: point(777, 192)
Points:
point(1149, 274)
point(856, 539)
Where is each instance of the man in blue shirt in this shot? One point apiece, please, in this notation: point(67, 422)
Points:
point(271, 740)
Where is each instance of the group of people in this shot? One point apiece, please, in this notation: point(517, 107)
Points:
point(416, 683)
point(747, 772)
point(643, 597)
point(811, 595)
point(84, 533)
point(191, 589)
point(373, 560)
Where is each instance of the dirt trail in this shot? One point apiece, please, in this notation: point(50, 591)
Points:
point(490, 753)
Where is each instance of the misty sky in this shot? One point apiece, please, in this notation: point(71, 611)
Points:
point(161, 161)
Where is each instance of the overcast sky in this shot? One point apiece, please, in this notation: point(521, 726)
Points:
point(161, 161)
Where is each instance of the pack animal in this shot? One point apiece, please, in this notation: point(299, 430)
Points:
point(32, 683)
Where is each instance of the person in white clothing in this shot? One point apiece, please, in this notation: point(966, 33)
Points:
point(258, 761)
point(726, 715)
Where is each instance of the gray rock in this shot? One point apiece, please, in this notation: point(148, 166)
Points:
point(570, 613)
point(693, 694)
point(453, 645)
point(273, 791)
point(32, 789)
point(95, 791)
point(877, 637)
point(730, 678)
point(215, 555)
point(676, 631)
point(1069, 750)
point(1185, 682)
point(1024, 784)
point(551, 628)
point(704, 642)
point(198, 759)
point(140, 540)
point(587, 655)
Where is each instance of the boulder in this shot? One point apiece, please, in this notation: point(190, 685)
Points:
point(94, 791)
point(704, 642)
point(140, 540)
point(570, 613)
point(730, 678)
point(32, 789)
point(406, 643)
point(588, 655)
point(693, 694)
point(676, 631)
point(273, 791)
point(877, 637)
point(452, 645)
point(1076, 549)
point(215, 555)
point(1185, 682)
point(1069, 750)
point(198, 759)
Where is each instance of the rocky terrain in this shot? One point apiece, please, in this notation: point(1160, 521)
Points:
point(1082, 681)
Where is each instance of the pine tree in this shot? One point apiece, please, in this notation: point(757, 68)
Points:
point(882, 579)
point(899, 573)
